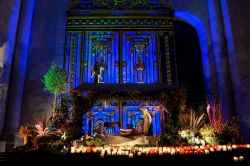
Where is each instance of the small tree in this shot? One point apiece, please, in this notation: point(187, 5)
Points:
point(55, 81)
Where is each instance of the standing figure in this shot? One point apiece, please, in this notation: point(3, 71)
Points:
point(97, 72)
point(147, 120)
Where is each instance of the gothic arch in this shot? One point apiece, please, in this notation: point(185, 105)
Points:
point(198, 25)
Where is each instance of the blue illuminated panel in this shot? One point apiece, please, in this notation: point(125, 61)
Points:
point(73, 58)
point(100, 115)
point(132, 116)
point(139, 57)
point(101, 50)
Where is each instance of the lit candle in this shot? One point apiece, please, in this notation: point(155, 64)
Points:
point(102, 155)
point(126, 153)
point(108, 152)
point(234, 146)
point(241, 158)
point(78, 150)
point(139, 153)
point(173, 152)
point(248, 145)
point(114, 152)
point(72, 149)
point(224, 148)
point(160, 153)
point(206, 151)
point(88, 150)
point(236, 159)
point(211, 149)
point(130, 155)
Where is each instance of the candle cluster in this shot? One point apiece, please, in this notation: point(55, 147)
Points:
point(139, 151)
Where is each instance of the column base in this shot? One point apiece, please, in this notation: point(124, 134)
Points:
point(9, 141)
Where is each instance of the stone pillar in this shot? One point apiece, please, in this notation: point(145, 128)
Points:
point(9, 17)
point(19, 68)
point(234, 52)
point(221, 59)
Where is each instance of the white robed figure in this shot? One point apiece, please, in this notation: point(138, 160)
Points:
point(97, 71)
point(147, 119)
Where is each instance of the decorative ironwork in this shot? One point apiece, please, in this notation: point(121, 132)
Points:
point(101, 55)
point(139, 65)
point(121, 4)
point(99, 127)
point(120, 22)
point(168, 58)
point(73, 58)
point(139, 53)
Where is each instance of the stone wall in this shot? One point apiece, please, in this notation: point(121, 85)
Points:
point(9, 16)
point(48, 31)
point(239, 17)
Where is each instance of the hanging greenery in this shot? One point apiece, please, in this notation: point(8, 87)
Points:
point(169, 99)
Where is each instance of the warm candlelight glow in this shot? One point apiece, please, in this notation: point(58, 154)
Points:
point(235, 158)
point(241, 158)
point(102, 155)
point(72, 149)
point(160, 152)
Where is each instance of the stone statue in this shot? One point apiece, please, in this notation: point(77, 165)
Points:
point(147, 120)
point(97, 72)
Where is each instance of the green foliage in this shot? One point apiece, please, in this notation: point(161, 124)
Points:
point(231, 133)
point(185, 134)
point(195, 122)
point(208, 134)
point(55, 80)
point(73, 133)
point(62, 113)
point(169, 99)
point(171, 140)
point(45, 139)
point(170, 128)
point(94, 142)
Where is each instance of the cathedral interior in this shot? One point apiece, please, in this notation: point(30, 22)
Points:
point(122, 47)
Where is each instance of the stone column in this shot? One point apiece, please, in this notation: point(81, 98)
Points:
point(221, 59)
point(13, 113)
point(9, 16)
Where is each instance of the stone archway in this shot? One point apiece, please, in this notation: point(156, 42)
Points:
point(198, 25)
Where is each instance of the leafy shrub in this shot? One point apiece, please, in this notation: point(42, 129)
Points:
point(45, 139)
point(231, 133)
point(208, 134)
point(195, 122)
point(215, 116)
point(185, 134)
point(175, 140)
point(94, 142)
